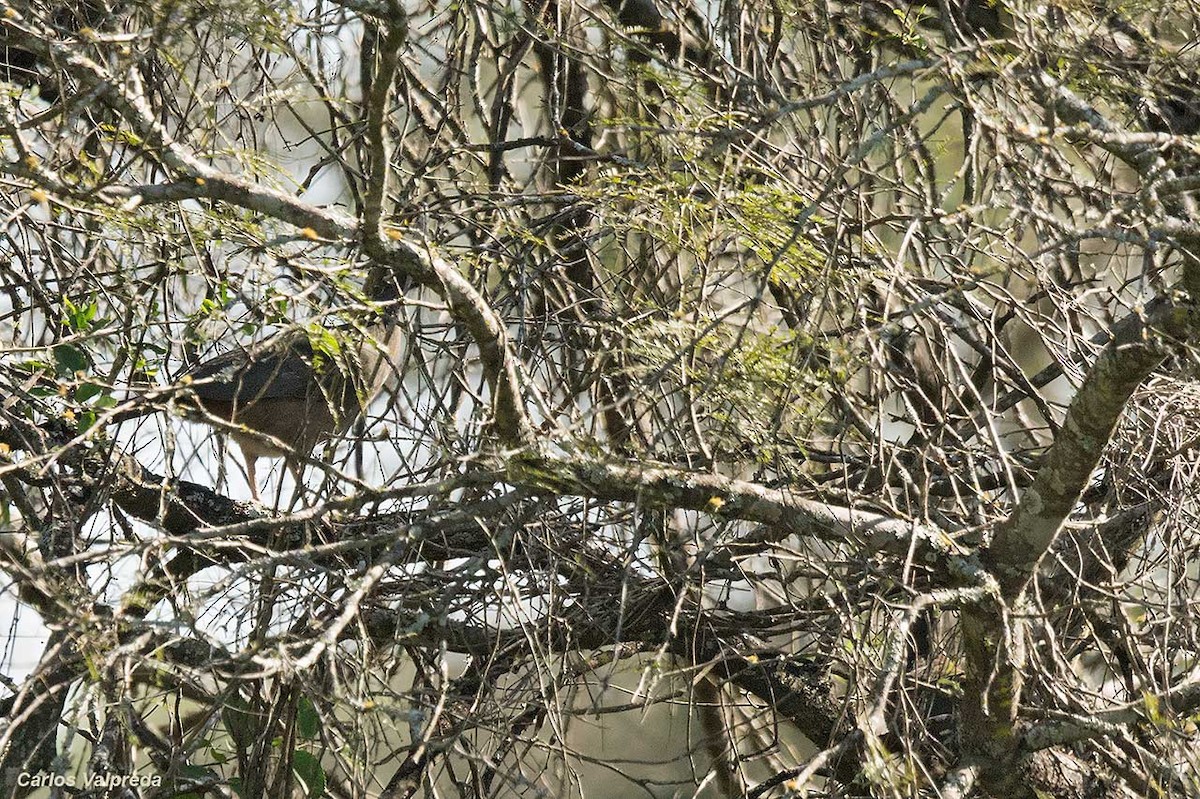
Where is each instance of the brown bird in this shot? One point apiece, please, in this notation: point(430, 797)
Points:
point(297, 388)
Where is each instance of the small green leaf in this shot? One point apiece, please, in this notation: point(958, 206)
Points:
point(78, 317)
point(307, 720)
point(197, 773)
point(241, 723)
point(85, 421)
point(309, 770)
point(70, 359)
point(326, 347)
point(151, 347)
point(86, 391)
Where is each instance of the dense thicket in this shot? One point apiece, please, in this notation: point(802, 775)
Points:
point(796, 397)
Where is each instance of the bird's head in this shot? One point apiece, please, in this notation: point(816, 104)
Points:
point(385, 285)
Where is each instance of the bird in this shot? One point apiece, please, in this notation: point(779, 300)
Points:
point(286, 394)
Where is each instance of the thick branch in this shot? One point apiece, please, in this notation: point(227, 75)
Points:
point(1182, 700)
point(1023, 539)
point(780, 510)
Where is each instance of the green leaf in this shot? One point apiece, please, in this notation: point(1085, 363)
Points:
point(151, 347)
point(86, 391)
point(70, 359)
point(241, 723)
point(189, 773)
point(309, 770)
point(78, 317)
point(31, 366)
point(84, 421)
point(307, 720)
point(326, 347)
point(197, 773)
